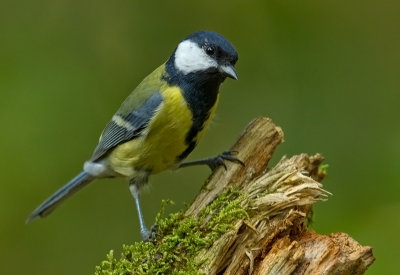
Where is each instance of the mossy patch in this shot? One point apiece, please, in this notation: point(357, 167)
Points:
point(323, 169)
point(179, 241)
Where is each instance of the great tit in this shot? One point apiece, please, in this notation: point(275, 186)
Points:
point(161, 121)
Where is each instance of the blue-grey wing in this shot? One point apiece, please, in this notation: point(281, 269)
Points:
point(125, 127)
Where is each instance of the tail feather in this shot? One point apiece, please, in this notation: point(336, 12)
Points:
point(64, 192)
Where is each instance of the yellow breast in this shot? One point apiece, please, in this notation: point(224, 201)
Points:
point(160, 143)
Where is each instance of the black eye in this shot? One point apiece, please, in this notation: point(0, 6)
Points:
point(209, 50)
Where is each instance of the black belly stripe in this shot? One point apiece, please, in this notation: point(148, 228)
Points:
point(200, 90)
point(200, 102)
point(188, 150)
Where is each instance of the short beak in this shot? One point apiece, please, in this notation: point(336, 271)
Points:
point(229, 71)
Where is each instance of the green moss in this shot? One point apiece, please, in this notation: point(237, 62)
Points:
point(323, 169)
point(180, 239)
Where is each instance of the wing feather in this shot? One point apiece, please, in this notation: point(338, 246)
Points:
point(125, 127)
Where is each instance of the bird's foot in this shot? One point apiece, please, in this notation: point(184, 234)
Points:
point(150, 235)
point(219, 160)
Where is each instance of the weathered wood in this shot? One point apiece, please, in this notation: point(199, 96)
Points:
point(274, 239)
point(254, 147)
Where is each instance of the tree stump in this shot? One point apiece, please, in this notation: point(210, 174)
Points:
point(248, 220)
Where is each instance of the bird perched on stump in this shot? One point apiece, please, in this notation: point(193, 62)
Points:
point(161, 121)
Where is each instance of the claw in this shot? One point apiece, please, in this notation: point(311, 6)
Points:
point(219, 160)
point(223, 163)
point(215, 162)
point(230, 155)
point(152, 234)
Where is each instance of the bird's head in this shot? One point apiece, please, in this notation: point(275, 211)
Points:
point(205, 52)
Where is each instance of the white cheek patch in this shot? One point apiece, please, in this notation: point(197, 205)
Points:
point(189, 58)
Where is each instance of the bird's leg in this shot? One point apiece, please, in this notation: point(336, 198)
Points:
point(215, 162)
point(146, 234)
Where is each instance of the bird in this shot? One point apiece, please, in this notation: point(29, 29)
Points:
point(160, 122)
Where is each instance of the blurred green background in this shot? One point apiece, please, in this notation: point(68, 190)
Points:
point(327, 72)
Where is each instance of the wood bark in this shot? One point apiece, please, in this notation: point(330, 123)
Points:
point(274, 239)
